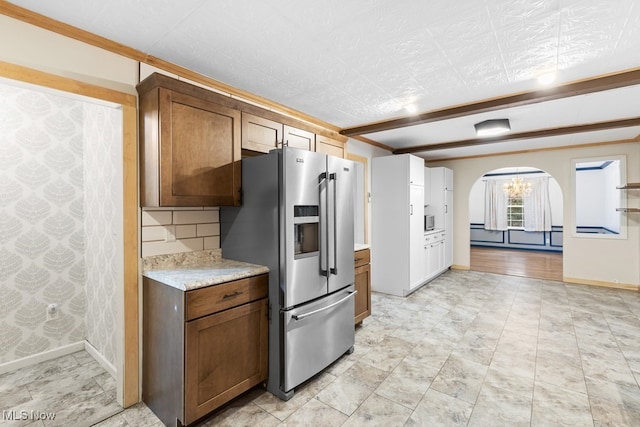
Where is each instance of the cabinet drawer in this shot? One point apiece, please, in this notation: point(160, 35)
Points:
point(362, 257)
point(204, 301)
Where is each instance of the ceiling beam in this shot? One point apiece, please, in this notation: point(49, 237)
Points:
point(542, 133)
point(374, 143)
point(582, 87)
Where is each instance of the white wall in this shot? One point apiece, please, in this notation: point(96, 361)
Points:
point(612, 197)
point(585, 259)
point(597, 197)
point(44, 50)
point(368, 151)
point(590, 191)
point(476, 199)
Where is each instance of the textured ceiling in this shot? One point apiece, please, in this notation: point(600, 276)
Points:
point(356, 62)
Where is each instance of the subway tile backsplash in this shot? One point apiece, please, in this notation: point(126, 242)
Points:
point(171, 231)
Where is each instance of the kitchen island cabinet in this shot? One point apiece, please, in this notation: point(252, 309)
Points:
point(362, 284)
point(202, 347)
point(190, 146)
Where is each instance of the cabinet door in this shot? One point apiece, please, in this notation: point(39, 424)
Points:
point(226, 354)
point(299, 138)
point(448, 226)
point(329, 146)
point(260, 134)
point(200, 152)
point(363, 295)
point(416, 235)
point(441, 255)
point(427, 187)
point(426, 261)
point(448, 179)
point(416, 170)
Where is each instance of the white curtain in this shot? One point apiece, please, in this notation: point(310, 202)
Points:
point(495, 205)
point(537, 208)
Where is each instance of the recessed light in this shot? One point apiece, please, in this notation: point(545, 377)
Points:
point(492, 127)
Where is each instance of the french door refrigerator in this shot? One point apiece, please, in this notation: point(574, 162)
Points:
point(297, 218)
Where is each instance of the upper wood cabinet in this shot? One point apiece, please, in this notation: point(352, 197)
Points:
point(260, 134)
point(298, 138)
point(329, 146)
point(263, 135)
point(190, 147)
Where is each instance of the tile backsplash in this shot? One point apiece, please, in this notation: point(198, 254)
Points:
point(168, 231)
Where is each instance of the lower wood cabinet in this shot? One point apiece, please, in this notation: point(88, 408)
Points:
point(196, 359)
point(362, 284)
point(225, 355)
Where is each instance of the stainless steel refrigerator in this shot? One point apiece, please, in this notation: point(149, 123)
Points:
point(297, 218)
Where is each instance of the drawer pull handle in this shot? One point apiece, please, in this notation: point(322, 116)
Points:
point(233, 295)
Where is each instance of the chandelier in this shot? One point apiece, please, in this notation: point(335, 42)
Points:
point(517, 187)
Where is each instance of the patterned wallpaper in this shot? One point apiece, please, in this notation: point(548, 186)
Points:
point(103, 224)
point(42, 217)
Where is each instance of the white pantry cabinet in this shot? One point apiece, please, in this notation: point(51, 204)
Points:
point(441, 207)
point(397, 199)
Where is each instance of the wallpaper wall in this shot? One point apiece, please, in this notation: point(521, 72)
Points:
point(102, 132)
point(43, 241)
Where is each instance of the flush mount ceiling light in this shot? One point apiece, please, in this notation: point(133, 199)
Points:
point(547, 78)
point(492, 127)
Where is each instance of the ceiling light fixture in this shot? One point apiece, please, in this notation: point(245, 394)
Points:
point(492, 127)
point(547, 78)
point(411, 108)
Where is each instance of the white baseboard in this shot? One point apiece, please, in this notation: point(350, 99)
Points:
point(59, 352)
point(42, 357)
point(100, 359)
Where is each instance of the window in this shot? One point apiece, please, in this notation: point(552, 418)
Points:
point(515, 212)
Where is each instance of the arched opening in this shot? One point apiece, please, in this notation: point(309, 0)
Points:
point(516, 223)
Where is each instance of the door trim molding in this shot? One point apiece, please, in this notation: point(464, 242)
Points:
point(129, 377)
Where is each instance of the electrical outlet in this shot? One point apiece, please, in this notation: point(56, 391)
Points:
point(53, 312)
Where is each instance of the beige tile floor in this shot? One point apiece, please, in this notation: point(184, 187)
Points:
point(72, 390)
point(469, 349)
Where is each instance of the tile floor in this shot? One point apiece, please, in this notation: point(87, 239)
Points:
point(469, 349)
point(72, 390)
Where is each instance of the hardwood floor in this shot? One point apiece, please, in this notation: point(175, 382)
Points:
point(514, 262)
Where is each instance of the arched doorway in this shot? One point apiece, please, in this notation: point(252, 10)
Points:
point(516, 223)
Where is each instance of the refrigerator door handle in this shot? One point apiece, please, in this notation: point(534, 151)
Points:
point(333, 177)
point(320, 310)
point(324, 268)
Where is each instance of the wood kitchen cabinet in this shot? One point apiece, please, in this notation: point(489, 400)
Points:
point(298, 138)
point(190, 147)
point(260, 134)
point(202, 348)
point(263, 135)
point(329, 146)
point(362, 284)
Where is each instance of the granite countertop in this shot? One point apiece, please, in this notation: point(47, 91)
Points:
point(192, 270)
point(361, 246)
